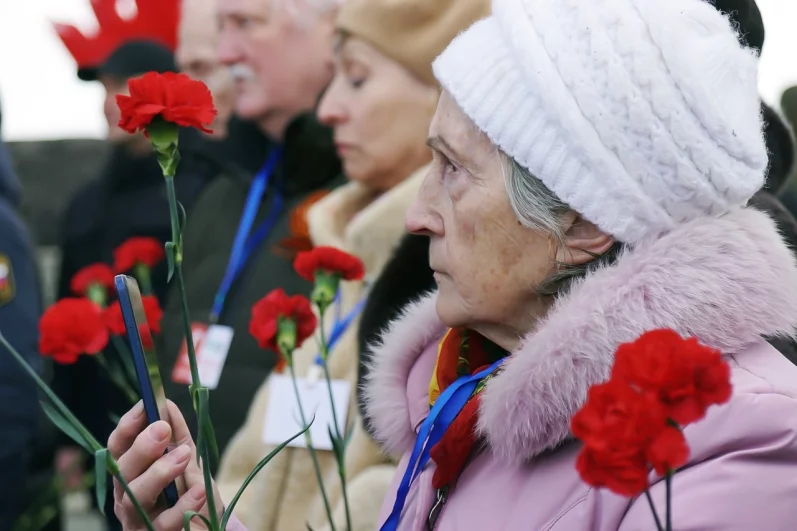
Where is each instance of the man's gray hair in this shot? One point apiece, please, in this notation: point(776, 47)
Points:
point(306, 12)
point(539, 209)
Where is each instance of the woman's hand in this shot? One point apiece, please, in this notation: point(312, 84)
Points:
point(139, 450)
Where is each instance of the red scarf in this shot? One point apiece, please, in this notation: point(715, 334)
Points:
point(462, 352)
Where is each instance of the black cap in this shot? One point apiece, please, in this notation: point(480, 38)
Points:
point(132, 59)
point(780, 144)
point(746, 18)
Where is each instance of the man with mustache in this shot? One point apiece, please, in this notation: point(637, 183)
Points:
point(279, 53)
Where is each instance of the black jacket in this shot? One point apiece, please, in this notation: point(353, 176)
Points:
point(405, 279)
point(308, 164)
point(20, 309)
point(128, 199)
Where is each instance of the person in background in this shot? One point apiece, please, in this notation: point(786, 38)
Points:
point(197, 56)
point(746, 17)
point(788, 106)
point(406, 278)
point(236, 147)
point(127, 200)
point(569, 212)
point(20, 309)
point(379, 104)
point(279, 53)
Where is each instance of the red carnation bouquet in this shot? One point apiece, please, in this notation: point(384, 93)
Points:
point(158, 105)
point(282, 323)
point(74, 327)
point(633, 423)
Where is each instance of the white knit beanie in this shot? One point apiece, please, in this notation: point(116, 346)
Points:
point(639, 114)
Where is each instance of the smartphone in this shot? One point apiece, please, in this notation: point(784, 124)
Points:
point(150, 383)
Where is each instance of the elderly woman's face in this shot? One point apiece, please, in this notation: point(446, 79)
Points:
point(380, 113)
point(486, 263)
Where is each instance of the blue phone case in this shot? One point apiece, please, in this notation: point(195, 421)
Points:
point(130, 301)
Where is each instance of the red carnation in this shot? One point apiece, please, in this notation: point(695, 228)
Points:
point(668, 451)
point(617, 426)
point(623, 471)
point(268, 311)
point(175, 98)
point(138, 250)
point(330, 260)
point(685, 376)
point(95, 274)
point(616, 415)
point(115, 322)
point(70, 328)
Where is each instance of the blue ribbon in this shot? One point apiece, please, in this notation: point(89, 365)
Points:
point(244, 244)
point(443, 413)
point(341, 324)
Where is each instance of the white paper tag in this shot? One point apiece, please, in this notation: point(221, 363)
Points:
point(212, 354)
point(283, 420)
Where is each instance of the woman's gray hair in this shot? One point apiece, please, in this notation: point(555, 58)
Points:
point(539, 209)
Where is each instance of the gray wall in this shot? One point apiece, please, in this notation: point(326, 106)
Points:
point(51, 172)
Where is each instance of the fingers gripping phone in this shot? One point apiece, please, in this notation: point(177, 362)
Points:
point(149, 379)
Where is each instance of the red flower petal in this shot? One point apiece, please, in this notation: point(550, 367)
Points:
point(332, 261)
point(668, 451)
point(70, 328)
point(97, 273)
point(176, 98)
point(112, 317)
point(621, 471)
point(685, 376)
point(138, 250)
point(266, 313)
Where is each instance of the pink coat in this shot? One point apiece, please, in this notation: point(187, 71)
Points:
point(728, 282)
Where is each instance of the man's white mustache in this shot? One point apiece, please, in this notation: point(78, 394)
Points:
point(242, 72)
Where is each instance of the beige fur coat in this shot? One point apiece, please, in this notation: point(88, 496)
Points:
point(285, 495)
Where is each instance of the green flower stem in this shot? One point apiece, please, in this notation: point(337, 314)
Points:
point(309, 440)
point(118, 379)
point(209, 494)
point(127, 359)
point(653, 510)
point(178, 268)
point(142, 274)
point(113, 467)
point(341, 457)
point(189, 336)
point(78, 426)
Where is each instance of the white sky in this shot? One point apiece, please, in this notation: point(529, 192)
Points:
point(43, 99)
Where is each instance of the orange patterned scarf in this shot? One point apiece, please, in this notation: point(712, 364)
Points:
point(461, 352)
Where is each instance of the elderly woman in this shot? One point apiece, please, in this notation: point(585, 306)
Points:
point(588, 185)
point(380, 104)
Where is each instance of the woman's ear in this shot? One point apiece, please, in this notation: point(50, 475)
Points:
point(583, 242)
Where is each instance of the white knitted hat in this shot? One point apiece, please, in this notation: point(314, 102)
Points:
point(639, 114)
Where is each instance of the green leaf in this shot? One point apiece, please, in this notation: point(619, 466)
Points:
point(183, 215)
point(62, 424)
point(127, 360)
point(308, 526)
point(337, 447)
point(170, 260)
point(207, 433)
point(347, 439)
point(228, 512)
point(210, 436)
point(101, 475)
point(190, 515)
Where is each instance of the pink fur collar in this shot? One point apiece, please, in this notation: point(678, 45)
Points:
point(727, 281)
